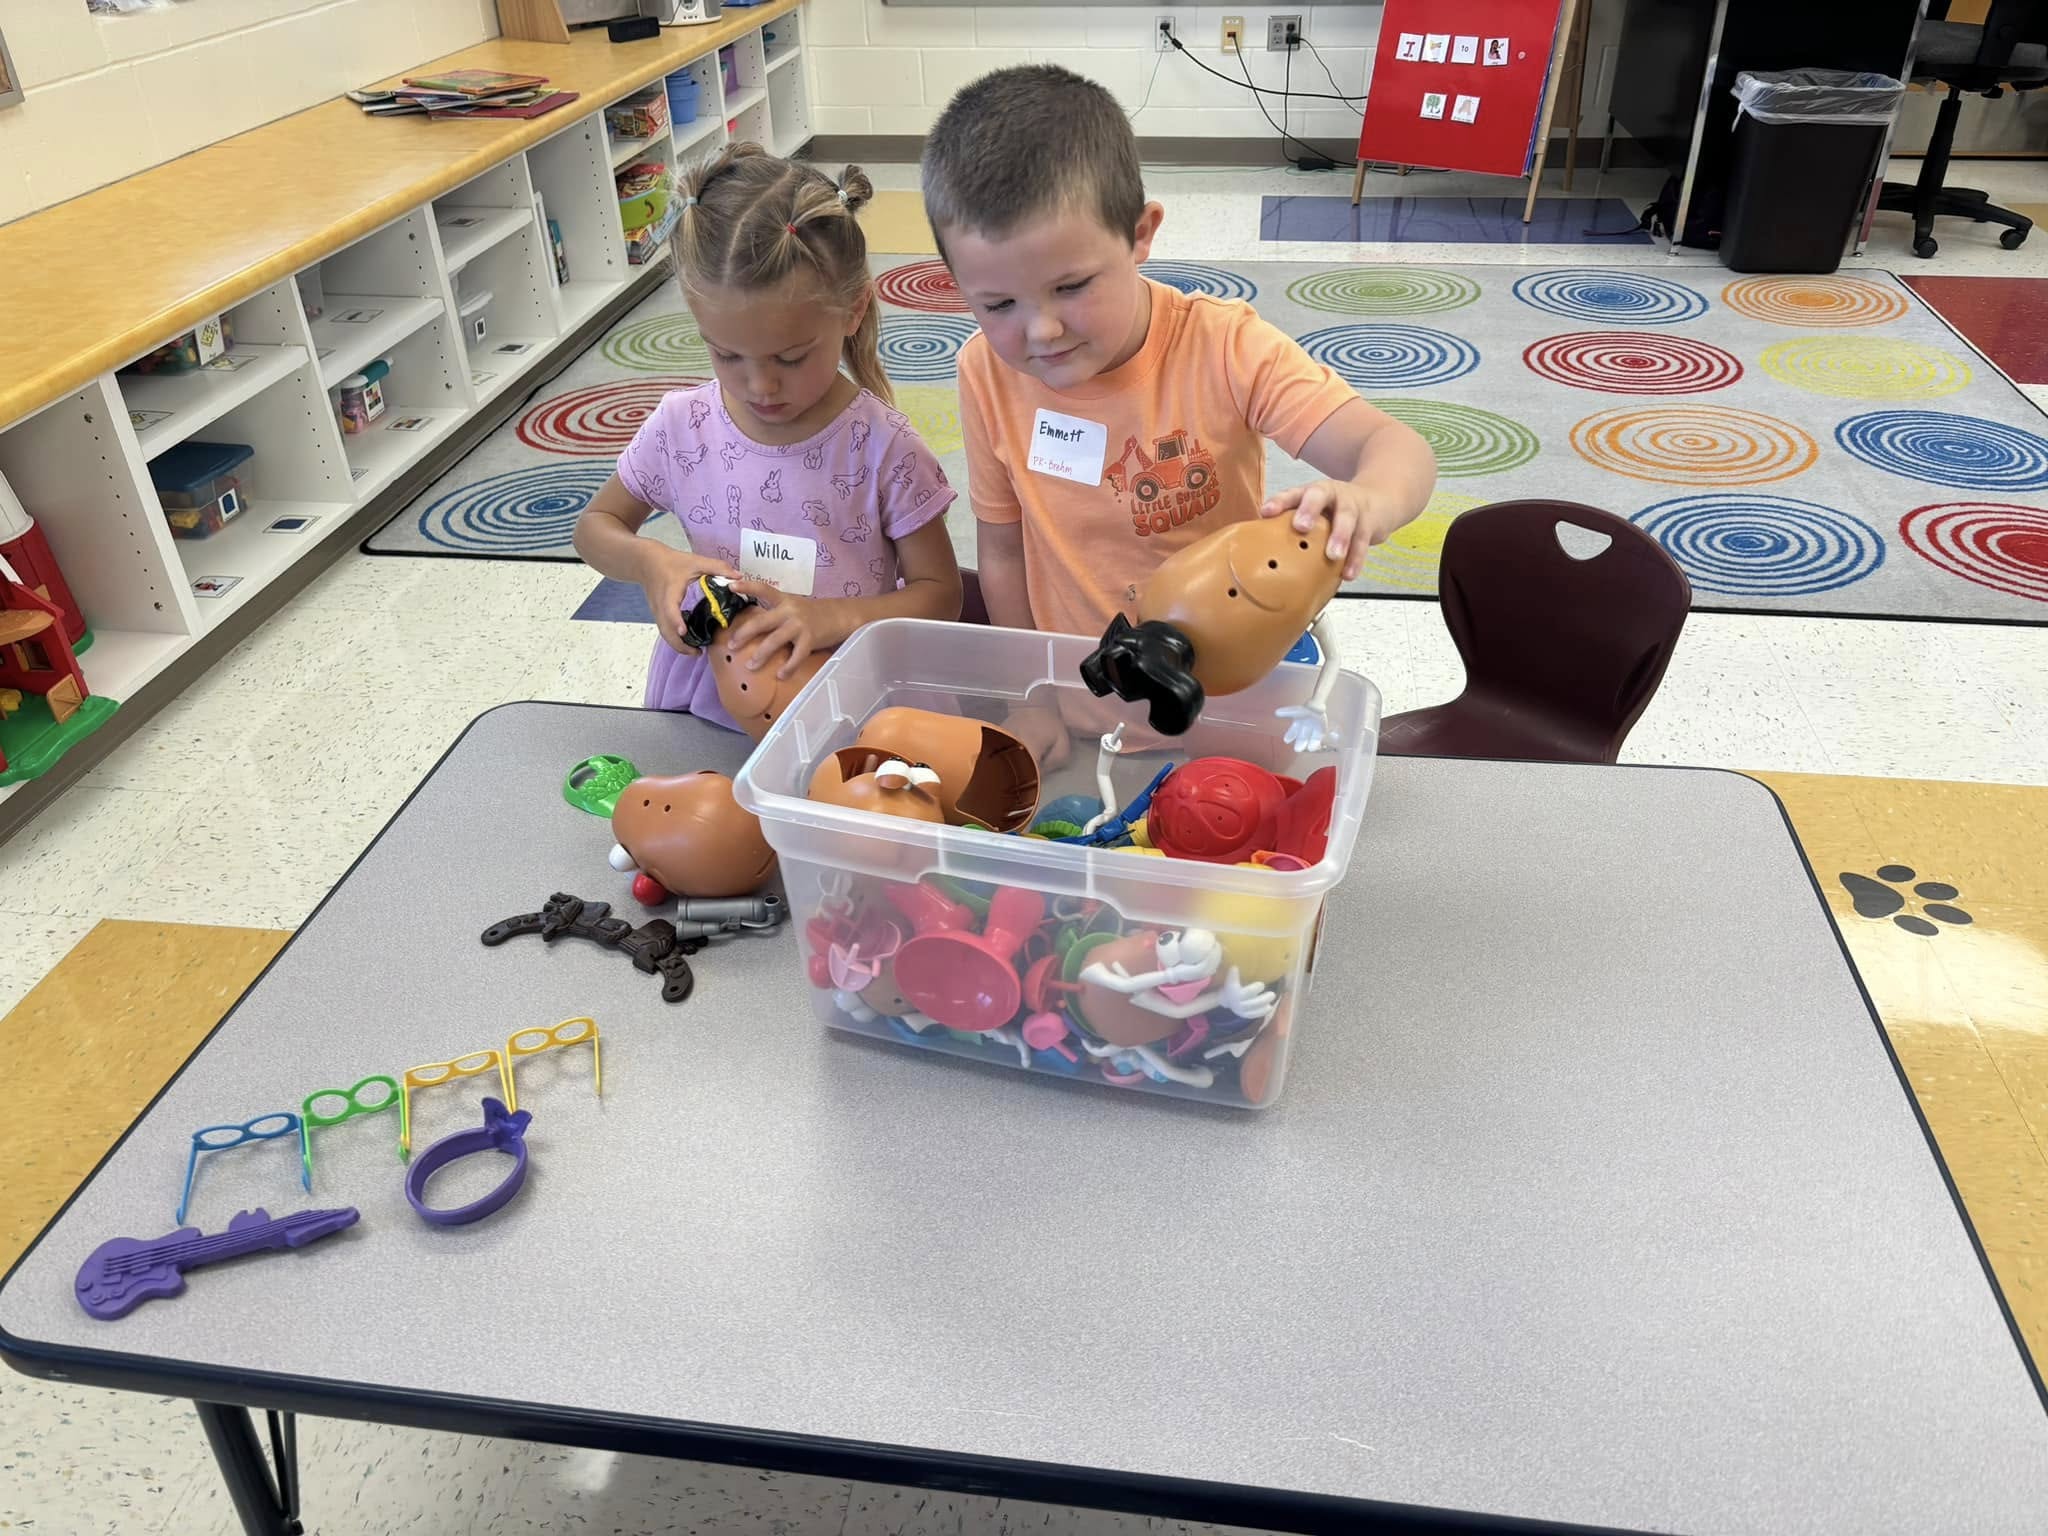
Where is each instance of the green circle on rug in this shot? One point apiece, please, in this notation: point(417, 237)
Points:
point(1467, 440)
point(660, 344)
point(1383, 291)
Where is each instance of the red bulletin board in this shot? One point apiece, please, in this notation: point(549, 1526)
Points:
point(1500, 139)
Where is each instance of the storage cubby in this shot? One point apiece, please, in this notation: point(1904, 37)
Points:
point(165, 408)
point(379, 292)
point(789, 105)
point(702, 134)
point(782, 41)
point(425, 394)
point(518, 319)
point(79, 472)
point(749, 84)
point(752, 125)
point(572, 175)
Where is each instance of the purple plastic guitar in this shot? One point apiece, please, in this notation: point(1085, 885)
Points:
point(124, 1272)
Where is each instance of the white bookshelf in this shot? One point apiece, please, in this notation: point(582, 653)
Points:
point(81, 464)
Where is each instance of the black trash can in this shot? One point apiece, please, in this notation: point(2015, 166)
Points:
point(1806, 148)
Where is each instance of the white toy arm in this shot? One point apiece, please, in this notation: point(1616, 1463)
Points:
point(1105, 787)
point(1308, 727)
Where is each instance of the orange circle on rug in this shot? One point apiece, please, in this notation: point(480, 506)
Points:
point(1695, 445)
point(1842, 301)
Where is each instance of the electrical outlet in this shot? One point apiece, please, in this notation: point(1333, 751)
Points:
point(1165, 33)
point(1283, 34)
point(1233, 34)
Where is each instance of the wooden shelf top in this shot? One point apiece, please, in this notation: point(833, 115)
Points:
point(94, 282)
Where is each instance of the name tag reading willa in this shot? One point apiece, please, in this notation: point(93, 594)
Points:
point(785, 561)
point(1068, 447)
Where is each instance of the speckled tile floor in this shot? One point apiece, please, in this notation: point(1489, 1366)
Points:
point(320, 724)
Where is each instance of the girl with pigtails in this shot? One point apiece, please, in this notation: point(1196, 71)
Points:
point(795, 440)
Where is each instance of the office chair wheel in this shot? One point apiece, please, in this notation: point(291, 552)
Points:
point(2013, 239)
point(1925, 246)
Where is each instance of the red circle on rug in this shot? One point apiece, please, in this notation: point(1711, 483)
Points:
point(1633, 363)
point(925, 285)
point(601, 418)
point(1991, 543)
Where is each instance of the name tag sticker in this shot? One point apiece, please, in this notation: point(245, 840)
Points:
point(1068, 447)
point(788, 563)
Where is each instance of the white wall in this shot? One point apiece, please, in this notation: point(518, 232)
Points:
point(107, 96)
point(889, 69)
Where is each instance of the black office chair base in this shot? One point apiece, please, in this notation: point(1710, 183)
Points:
point(1952, 203)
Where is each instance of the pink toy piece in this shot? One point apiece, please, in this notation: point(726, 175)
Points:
point(1190, 1039)
point(963, 980)
point(853, 964)
point(1047, 1032)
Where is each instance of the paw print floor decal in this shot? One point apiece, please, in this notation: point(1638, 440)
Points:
point(1883, 897)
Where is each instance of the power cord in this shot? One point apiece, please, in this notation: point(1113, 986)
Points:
point(1182, 49)
point(1328, 74)
point(1312, 159)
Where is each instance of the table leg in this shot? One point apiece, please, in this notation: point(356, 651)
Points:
point(267, 1506)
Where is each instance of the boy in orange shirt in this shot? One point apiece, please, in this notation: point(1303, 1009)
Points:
point(1111, 420)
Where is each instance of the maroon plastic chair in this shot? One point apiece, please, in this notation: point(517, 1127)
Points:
point(973, 608)
point(1562, 654)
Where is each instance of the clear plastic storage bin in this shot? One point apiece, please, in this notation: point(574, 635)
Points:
point(1018, 925)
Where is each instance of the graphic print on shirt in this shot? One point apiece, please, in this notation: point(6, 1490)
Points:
point(690, 458)
point(846, 485)
point(700, 411)
point(771, 488)
point(730, 454)
point(732, 502)
point(1172, 483)
point(858, 533)
point(816, 514)
point(703, 512)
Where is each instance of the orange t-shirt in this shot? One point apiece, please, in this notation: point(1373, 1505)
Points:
point(1182, 448)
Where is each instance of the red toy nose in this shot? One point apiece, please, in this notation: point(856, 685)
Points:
point(968, 981)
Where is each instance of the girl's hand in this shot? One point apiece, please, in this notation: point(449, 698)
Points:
point(1358, 520)
point(670, 582)
point(799, 625)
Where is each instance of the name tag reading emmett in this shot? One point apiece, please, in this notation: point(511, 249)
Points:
point(1068, 447)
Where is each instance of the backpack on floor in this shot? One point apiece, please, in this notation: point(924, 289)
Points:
point(1703, 218)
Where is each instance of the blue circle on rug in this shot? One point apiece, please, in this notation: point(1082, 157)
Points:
point(1944, 449)
point(923, 349)
point(1763, 546)
point(521, 512)
point(1391, 356)
point(1198, 277)
point(1611, 297)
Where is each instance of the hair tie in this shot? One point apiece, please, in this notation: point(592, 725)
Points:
point(690, 202)
point(790, 227)
point(842, 196)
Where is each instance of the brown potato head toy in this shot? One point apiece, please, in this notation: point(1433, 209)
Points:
point(755, 698)
point(1215, 618)
point(688, 836)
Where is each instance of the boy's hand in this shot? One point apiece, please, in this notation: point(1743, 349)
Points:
point(784, 621)
point(1358, 519)
point(670, 583)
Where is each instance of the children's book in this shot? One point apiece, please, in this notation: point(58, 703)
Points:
point(474, 82)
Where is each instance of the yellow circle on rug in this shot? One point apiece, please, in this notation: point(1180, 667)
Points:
point(934, 410)
point(1866, 368)
point(1409, 559)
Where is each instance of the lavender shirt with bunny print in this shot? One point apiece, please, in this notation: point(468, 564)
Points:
point(859, 483)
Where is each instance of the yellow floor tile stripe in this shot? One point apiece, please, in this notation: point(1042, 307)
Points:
point(96, 1040)
point(1967, 1007)
point(895, 225)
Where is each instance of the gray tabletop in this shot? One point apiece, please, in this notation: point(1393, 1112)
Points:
point(1592, 1195)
